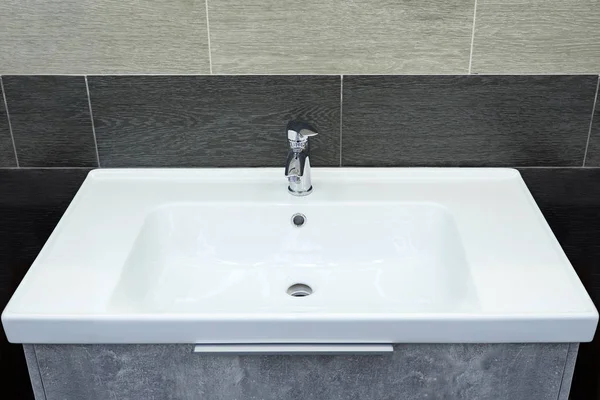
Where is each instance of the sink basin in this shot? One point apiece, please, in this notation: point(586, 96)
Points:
point(380, 256)
point(243, 258)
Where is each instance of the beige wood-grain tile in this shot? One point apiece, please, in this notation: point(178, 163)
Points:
point(340, 36)
point(539, 36)
point(103, 37)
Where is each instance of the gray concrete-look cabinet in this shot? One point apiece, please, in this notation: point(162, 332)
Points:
point(539, 371)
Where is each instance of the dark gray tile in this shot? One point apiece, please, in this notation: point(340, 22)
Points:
point(7, 152)
point(50, 121)
point(31, 203)
point(211, 121)
point(412, 372)
point(593, 153)
point(466, 120)
point(570, 201)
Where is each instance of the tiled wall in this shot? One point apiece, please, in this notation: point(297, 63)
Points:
point(61, 126)
point(299, 37)
point(238, 121)
point(54, 128)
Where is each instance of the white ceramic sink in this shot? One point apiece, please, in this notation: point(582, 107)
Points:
point(391, 255)
point(233, 258)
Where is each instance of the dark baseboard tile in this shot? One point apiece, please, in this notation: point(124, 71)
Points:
point(32, 202)
point(569, 198)
point(7, 151)
point(50, 120)
point(593, 149)
point(211, 121)
point(466, 120)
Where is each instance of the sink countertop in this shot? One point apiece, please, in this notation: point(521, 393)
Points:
point(393, 255)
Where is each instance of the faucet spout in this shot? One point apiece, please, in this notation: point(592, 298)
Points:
point(297, 170)
point(297, 166)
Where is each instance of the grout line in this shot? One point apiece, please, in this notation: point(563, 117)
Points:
point(348, 166)
point(472, 37)
point(587, 144)
point(87, 88)
point(170, 74)
point(208, 33)
point(26, 168)
point(341, 112)
point(12, 136)
point(545, 167)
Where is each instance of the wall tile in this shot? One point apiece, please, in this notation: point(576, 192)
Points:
point(466, 121)
point(7, 152)
point(570, 201)
point(539, 36)
point(103, 37)
point(31, 203)
point(211, 121)
point(336, 36)
point(51, 121)
point(593, 153)
point(413, 372)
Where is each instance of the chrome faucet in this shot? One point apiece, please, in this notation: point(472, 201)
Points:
point(297, 166)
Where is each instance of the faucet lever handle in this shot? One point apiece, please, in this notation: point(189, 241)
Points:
point(300, 131)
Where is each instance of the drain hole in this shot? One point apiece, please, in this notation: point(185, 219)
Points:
point(298, 220)
point(299, 290)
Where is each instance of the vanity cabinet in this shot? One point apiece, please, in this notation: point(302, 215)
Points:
point(532, 371)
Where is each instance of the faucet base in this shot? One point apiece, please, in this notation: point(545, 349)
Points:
point(301, 192)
